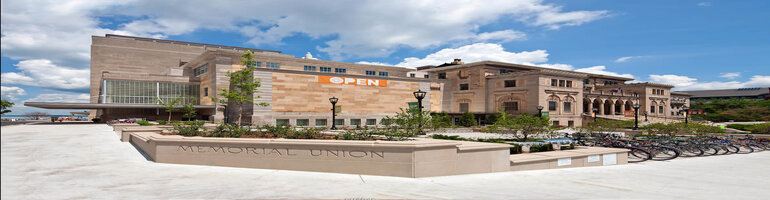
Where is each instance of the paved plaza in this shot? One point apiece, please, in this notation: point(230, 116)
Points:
point(76, 161)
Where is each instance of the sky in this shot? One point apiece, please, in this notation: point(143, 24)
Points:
point(692, 45)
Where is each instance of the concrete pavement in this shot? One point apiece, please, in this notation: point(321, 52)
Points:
point(87, 161)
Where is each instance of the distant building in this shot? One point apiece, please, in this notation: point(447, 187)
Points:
point(745, 93)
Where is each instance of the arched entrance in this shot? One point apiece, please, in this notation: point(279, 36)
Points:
point(618, 107)
point(598, 106)
point(607, 107)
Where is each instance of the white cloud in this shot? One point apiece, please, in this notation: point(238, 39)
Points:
point(70, 98)
point(730, 75)
point(601, 70)
point(624, 59)
point(704, 4)
point(10, 93)
point(43, 73)
point(557, 66)
point(373, 63)
point(686, 83)
point(477, 52)
point(60, 30)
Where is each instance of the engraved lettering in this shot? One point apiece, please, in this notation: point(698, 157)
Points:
point(381, 154)
point(201, 149)
point(357, 154)
point(274, 151)
point(230, 149)
point(330, 152)
point(312, 152)
point(219, 148)
point(183, 148)
point(289, 153)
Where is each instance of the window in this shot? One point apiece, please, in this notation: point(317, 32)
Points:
point(272, 65)
point(205, 92)
point(303, 122)
point(556, 123)
point(146, 92)
point(370, 73)
point(320, 122)
point(561, 83)
point(553, 82)
point(585, 81)
point(442, 75)
point(282, 122)
point(510, 106)
point(571, 123)
point(325, 69)
point(463, 107)
point(201, 70)
point(505, 71)
point(371, 122)
point(309, 68)
point(660, 109)
point(426, 76)
point(464, 86)
point(340, 70)
point(411, 75)
point(383, 73)
point(510, 83)
point(463, 74)
point(662, 92)
point(257, 63)
point(355, 122)
point(652, 109)
point(339, 122)
point(567, 106)
point(569, 84)
point(551, 106)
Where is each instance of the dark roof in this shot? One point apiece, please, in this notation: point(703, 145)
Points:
point(740, 92)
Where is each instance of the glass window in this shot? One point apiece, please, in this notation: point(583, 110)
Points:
point(464, 86)
point(383, 73)
point(567, 106)
point(201, 70)
point(257, 63)
point(205, 92)
point(510, 83)
point(411, 75)
point(370, 73)
point(339, 122)
point(556, 123)
point(505, 71)
point(320, 122)
point(463, 74)
point(426, 76)
point(442, 75)
point(585, 81)
point(571, 123)
point(355, 122)
point(303, 122)
point(561, 83)
point(552, 106)
point(569, 84)
point(510, 106)
point(652, 109)
point(144, 92)
point(660, 109)
point(309, 68)
point(340, 70)
point(371, 122)
point(282, 122)
point(463, 107)
point(553, 82)
point(325, 69)
point(272, 65)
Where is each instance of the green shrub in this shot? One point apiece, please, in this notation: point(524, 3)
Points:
point(228, 130)
point(174, 122)
point(440, 120)
point(540, 148)
point(468, 120)
point(189, 129)
point(143, 123)
point(763, 128)
point(567, 147)
point(162, 122)
point(278, 131)
point(306, 133)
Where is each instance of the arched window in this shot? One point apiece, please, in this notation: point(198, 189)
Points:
point(568, 104)
point(553, 103)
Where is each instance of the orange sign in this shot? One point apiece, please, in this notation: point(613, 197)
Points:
point(628, 113)
point(352, 81)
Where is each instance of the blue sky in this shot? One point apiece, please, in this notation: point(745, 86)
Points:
point(693, 45)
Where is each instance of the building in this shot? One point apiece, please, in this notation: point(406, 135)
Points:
point(745, 93)
point(129, 74)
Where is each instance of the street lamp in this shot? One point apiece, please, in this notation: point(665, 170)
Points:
point(419, 94)
point(595, 112)
point(636, 115)
point(645, 116)
point(539, 111)
point(334, 100)
point(686, 113)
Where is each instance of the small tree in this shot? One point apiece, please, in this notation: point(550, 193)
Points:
point(521, 126)
point(189, 110)
point(170, 105)
point(440, 120)
point(243, 86)
point(5, 105)
point(467, 120)
point(408, 122)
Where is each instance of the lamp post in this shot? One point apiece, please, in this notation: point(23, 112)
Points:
point(419, 94)
point(595, 110)
point(636, 115)
point(645, 116)
point(334, 100)
point(686, 113)
point(539, 111)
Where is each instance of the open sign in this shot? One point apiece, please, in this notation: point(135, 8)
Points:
point(352, 81)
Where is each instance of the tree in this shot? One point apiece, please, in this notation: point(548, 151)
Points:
point(440, 120)
point(467, 120)
point(36, 115)
point(189, 110)
point(408, 122)
point(5, 105)
point(170, 105)
point(521, 126)
point(243, 86)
